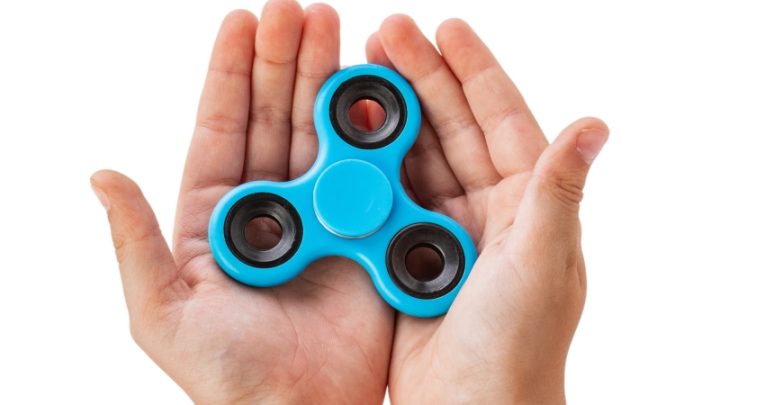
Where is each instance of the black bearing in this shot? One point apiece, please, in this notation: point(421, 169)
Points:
point(263, 205)
point(374, 88)
point(439, 239)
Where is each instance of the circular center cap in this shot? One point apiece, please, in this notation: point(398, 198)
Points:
point(352, 198)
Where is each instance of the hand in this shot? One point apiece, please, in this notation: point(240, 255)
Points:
point(325, 337)
point(482, 159)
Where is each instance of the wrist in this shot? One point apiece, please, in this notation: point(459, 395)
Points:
point(537, 390)
point(489, 386)
point(231, 398)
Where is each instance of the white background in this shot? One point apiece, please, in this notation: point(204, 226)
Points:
point(673, 217)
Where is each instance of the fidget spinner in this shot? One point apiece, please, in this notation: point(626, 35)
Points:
point(350, 203)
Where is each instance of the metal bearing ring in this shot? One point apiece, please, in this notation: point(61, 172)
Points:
point(439, 239)
point(368, 87)
point(263, 205)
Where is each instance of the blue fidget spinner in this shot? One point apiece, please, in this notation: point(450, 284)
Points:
point(350, 203)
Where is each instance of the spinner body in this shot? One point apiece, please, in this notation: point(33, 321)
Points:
point(350, 203)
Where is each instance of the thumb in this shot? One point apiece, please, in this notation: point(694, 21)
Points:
point(551, 201)
point(146, 264)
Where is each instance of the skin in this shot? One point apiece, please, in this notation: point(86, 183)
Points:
point(327, 337)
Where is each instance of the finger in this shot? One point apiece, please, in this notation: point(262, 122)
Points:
point(513, 135)
point(318, 58)
point(149, 275)
point(541, 251)
point(376, 52)
point(430, 176)
point(550, 205)
point(276, 48)
point(216, 155)
point(442, 100)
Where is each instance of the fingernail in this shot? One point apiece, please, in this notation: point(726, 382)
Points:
point(589, 142)
point(102, 198)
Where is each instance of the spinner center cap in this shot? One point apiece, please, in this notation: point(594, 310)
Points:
point(352, 198)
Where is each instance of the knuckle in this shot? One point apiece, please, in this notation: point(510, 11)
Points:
point(120, 248)
point(567, 188)
point(263, 174)
point(220, 124)
point(125, 246)
point(452, 125)
point(267, 115)
point(304, 127)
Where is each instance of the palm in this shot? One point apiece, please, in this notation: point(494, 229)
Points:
point(476, 156)
point(324, 337)
point(330, 311)
point(424, 345)
point(487, 212)
point(285, 334)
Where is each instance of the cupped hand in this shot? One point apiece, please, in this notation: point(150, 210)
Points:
point(482, 159)
point(325, 337)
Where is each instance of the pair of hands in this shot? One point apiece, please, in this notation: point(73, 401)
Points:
point(327, 337)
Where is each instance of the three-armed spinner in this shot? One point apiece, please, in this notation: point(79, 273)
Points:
point(350, 203)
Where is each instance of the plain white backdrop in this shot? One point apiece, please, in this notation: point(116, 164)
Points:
point(673, 218)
